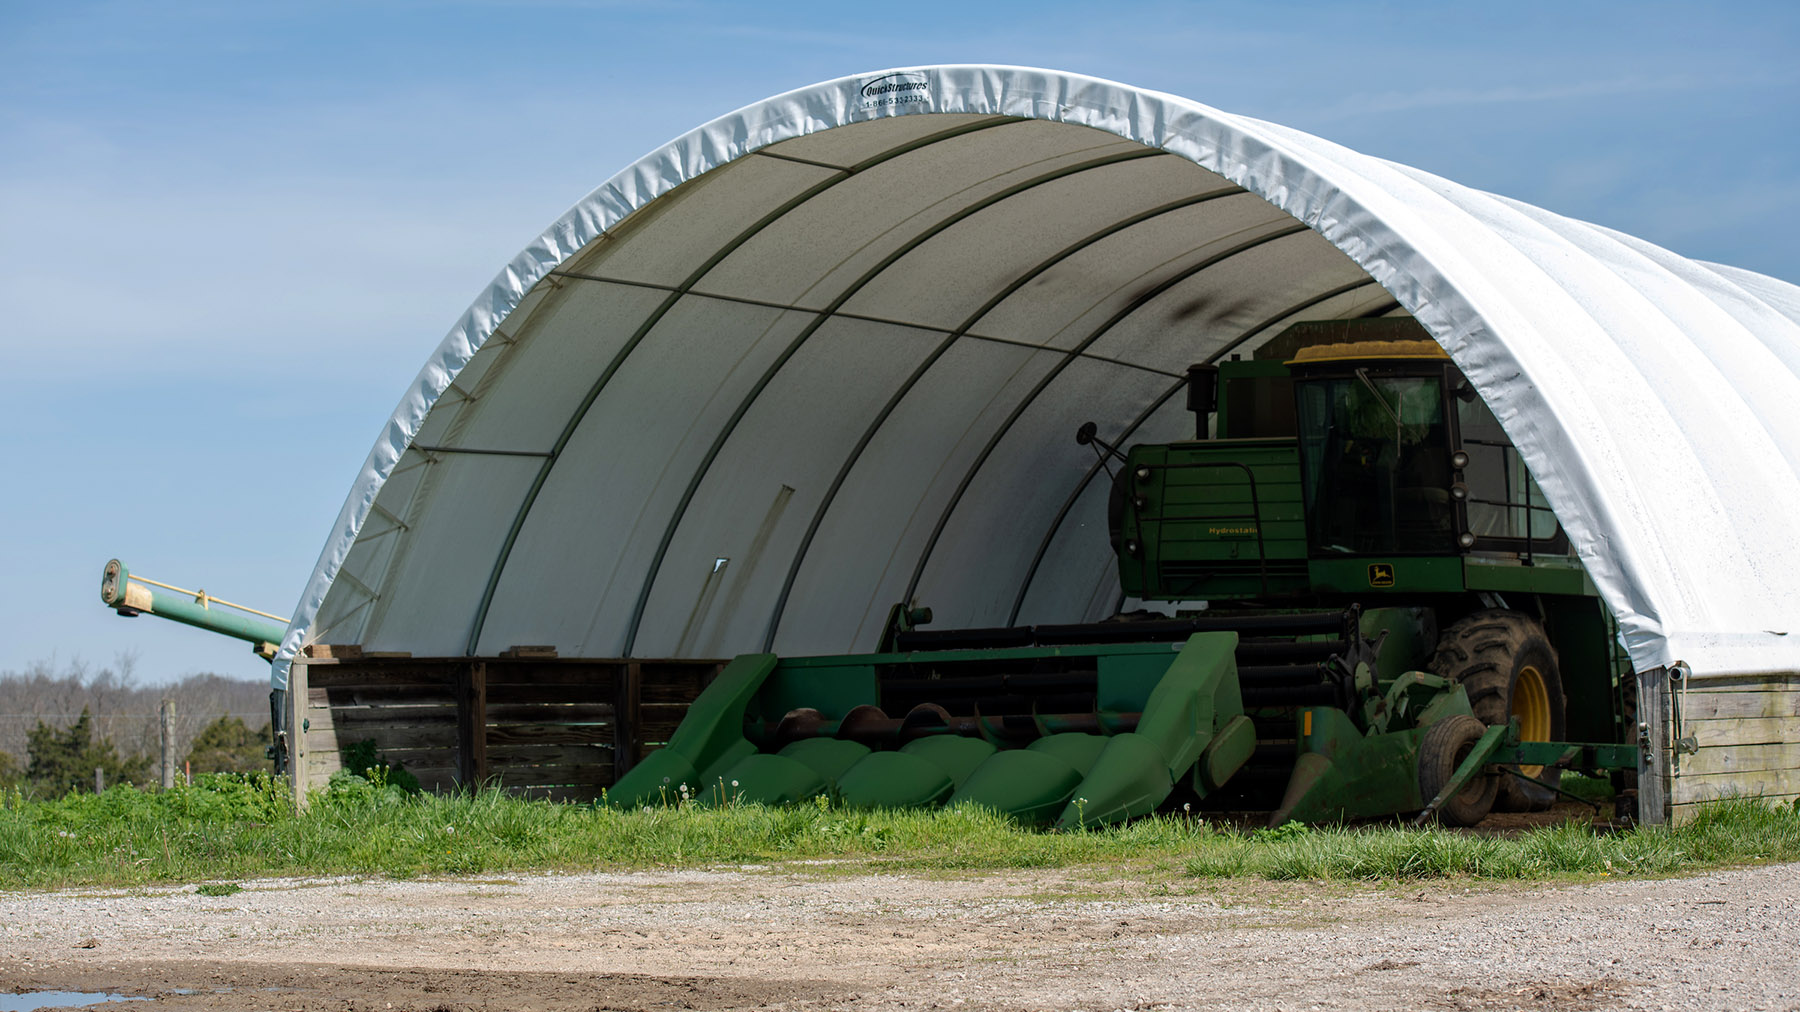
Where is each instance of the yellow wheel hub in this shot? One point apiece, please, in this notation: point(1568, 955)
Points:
point(1531, 704)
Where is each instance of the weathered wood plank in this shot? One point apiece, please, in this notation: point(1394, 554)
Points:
point(329, 651)
point(1691, 787)
point(1743, 703)
point(706, 667)
point(348, 717)
point(392, 695)
point(514, 694)
point(528, 650)
point(418, 757)
point(682, 692)
point(549, 734)
point(387, 736)
point(319, 741)
point(1786, 681)
point(598, 775)
point(323, 764)
point(559, 713)
point(1688, 809)
point(514, 756)
point(1727, 731)
point(601, 676)
point(409, 674)
point(1742, 759)
point(357, 724)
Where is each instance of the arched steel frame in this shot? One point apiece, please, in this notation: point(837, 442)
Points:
point(656, 315)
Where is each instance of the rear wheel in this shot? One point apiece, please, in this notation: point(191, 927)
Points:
point(1505, 663)
point(1445, 745)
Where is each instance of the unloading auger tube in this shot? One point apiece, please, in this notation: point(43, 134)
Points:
point(132, 596)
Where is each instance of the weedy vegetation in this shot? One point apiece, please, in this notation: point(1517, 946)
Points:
point(225, 828)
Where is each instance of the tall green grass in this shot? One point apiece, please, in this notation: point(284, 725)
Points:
point(227, 828)
point(1730, 832)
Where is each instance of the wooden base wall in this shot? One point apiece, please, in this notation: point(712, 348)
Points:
point(1747, 728)
point(559, 728)
point(566, 728)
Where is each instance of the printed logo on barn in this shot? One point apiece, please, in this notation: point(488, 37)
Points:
point(891, 90)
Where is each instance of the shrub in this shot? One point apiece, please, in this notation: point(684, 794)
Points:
point(64, 761)
point(227, 745)
point(12, 775)
point(364, 761)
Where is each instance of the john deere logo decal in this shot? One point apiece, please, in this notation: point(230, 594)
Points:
point(1381, 574)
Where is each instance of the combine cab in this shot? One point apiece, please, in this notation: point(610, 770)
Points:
point(1369, 609)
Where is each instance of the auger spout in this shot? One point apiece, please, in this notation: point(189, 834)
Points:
point(135, 595)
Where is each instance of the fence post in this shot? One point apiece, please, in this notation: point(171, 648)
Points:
point(99, 780)
point(168, 744)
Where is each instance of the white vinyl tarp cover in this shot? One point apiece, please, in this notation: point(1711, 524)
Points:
point(828, 353)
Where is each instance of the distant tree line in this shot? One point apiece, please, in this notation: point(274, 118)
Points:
point(56, 728)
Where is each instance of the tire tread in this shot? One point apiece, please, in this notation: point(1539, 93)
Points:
point(1483, 652)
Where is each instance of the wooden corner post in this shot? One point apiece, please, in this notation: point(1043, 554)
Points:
point(471, 726)
point(625, 718)
point(294, 722)
point(1653, 746)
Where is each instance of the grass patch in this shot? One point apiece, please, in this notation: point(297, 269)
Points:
point(220, 889)
point(1588, 788)
point(1730, 832)
point(235, 827)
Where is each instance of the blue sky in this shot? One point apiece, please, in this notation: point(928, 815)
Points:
point(231, 232)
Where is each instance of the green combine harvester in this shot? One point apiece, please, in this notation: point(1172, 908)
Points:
point(1368, 609)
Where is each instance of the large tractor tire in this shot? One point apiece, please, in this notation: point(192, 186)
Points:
point(1446, 744)
point(1505, 663)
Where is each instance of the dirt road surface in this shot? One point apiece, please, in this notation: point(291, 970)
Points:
point(824, 938)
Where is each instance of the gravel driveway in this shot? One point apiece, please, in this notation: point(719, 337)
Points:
point(821, 937)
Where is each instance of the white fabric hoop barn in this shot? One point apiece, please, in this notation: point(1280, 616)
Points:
point(823, 354)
